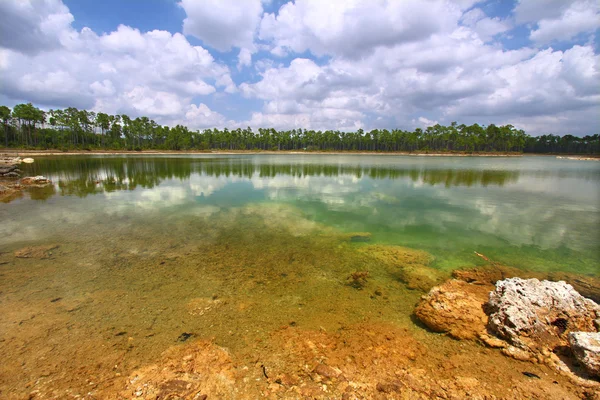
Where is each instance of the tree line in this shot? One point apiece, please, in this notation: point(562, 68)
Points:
point(26, 126)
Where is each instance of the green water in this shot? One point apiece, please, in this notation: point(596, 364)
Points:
point(538, 213)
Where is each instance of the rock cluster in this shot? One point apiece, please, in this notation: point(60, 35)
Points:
point(535, 315)
point(529, 319)
point(9, 171)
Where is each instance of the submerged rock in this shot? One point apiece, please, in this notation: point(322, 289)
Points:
point(455, 308)
point(586, 349)
point(9, 171)
point(421, 277)
point(35, 180)
point(535, 315)
point(40, 252)
point(410, 266)
point(197, 371)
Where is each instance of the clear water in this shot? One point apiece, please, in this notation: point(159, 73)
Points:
point(231, 248)
point(538, 213)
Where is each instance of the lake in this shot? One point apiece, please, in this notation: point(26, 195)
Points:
point(147, 252)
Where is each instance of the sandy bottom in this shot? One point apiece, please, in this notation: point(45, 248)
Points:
point(244, 304)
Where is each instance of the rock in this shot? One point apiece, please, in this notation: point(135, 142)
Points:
point(40, 252)
point(535, 315)
point(492, 341)
point(517, 353)
point(195, 371)
point(587, 286)
point(586, 349)
point(9, 160)
point(27, 160)
point(456, 308)
point(421, 277)
point(35, 180)
point(489, 274)
point(7, 168)
point(326, 371)
point(390, 387)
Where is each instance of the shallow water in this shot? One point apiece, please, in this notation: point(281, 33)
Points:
point(234, 247)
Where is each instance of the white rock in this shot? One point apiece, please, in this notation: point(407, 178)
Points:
point(27, 160)
point(535, 315)
point(586, 348)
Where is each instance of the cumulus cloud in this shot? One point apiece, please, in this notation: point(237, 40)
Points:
point(579, 17)
point(33, 25)
point(154, 73)
point(352, 28)
point(222, 24)
point(484, 26)
point(381, 64)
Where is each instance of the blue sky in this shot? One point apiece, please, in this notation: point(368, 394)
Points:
point(341, 64)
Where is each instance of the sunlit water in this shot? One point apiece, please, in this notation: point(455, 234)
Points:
point(232, 247)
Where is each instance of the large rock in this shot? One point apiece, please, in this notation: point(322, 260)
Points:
point(587, 286)
point(586, 349)
point(456, 307)
point(538, 315)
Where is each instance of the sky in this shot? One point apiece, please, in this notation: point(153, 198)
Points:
point(311, 64)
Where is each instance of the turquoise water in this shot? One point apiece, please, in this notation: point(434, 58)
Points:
point(538, 213)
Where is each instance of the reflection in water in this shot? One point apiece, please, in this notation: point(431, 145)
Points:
point(535, 212)
point(85, 176)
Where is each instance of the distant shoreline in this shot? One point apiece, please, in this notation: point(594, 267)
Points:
point(14, 153)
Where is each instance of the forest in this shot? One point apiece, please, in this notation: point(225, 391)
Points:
point(28, 127)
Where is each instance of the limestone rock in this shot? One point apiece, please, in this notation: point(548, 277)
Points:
point(9, 171)
point(586, 348)
point(35, 180)
point(535, 315)
point(455, 307)
point(587, 286)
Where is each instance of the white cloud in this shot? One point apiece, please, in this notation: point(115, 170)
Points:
point(152, 73)
point(580, 17)
point(484, 26)
point(535, 10)
point(33, 25)
point(352, 28)
point(384, 64)
point(222, 24)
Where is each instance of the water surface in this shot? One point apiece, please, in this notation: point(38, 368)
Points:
point(533, 212)
point(153, 250)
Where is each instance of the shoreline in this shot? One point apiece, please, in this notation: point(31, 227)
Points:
point(15, 153)
point(38, 153)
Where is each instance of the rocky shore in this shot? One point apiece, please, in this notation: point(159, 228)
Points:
point(531, 320)
point(11, 183)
